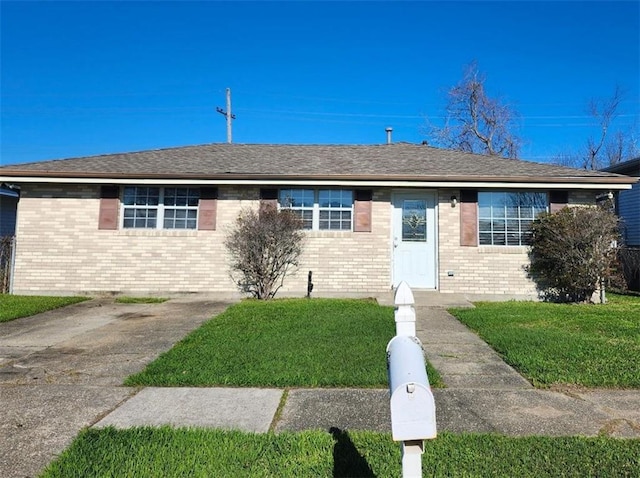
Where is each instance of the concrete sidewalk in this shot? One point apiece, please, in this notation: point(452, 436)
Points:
point(508, 412)
point(483, 394)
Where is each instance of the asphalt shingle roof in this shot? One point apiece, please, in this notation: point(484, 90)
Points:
point(256, 161)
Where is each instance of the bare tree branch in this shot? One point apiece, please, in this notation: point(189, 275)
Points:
point(604, 111)
point(476, 123)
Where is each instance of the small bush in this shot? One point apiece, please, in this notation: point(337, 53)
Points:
point(572, 252)
point(264, 246)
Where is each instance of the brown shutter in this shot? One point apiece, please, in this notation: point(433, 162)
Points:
point(468, 218)
point(268, 198)
point(362, 210)
point(109, 205)
point(207, 209)
point(558, 200)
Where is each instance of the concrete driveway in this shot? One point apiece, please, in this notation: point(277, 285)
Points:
point(62, 370)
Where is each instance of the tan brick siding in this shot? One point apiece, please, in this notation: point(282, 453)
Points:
point(345, 263)
point(60, 250)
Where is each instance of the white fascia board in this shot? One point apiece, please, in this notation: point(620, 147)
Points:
point(318, 183)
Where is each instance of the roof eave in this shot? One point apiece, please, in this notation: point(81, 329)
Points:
point(458, 181)
point(617, 179)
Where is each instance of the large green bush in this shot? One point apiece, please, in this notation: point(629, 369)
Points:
point(573, 251)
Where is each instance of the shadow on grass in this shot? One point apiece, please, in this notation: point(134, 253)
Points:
point(347, 460)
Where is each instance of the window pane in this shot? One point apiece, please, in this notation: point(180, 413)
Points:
point(307, 219)
point(485, 225)
point(129, 196)
point(499, 239)
point(513, 239)
point(485, 238)
point(484, 211)
point(414, 220)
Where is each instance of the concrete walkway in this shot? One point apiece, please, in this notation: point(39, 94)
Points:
point(62, 371)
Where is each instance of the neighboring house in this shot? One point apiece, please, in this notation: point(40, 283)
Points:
point(8, 208)
point(628, 203)
point(155, 221)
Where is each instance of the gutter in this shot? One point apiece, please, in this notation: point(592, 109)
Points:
point(607, 182)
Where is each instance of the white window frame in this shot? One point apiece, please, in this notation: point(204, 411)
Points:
point(521, 234)
point(160, 209)
point(316, 209)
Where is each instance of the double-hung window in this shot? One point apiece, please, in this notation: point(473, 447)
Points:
point(300, 201)
point(504, 218)
point(160, 208)
point(320, 209)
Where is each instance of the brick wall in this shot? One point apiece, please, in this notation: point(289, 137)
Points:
point(60, 250)
point(348, 262)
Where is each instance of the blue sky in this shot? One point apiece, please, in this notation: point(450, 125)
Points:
point(87, 78)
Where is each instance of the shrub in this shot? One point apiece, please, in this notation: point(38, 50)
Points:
point(572, 252)
point(264, 246)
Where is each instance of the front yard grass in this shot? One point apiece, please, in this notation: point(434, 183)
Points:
point(558, 344)
point(17, 306)
point(283, 343)
point(151, 452)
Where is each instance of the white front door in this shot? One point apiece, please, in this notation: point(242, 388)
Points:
point(414, 239)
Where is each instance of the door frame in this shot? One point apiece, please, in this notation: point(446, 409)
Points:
point(394, 195)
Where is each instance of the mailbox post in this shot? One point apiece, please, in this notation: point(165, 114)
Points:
point(413, 412)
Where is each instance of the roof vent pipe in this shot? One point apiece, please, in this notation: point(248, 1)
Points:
point(388, 130)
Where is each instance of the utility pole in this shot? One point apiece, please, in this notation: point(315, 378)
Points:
point(227, 114)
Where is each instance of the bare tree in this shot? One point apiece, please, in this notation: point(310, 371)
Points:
point(476, 123)
point(604, 111)
point(263, 246)
point(607, 146)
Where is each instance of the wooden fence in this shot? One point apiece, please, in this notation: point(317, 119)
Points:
point(7, 246)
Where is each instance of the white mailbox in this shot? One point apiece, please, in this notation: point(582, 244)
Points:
point(413, 409)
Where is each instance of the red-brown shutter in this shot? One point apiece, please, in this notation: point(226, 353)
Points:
point(468, 218)
point(207, 209)
point(268, 199)
point(109, 205)
point(362, 210)
point(558, 200)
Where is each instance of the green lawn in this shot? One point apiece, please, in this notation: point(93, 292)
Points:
point(166, 452)
point(283, 343)
point(16, 306)
point(552, 344)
